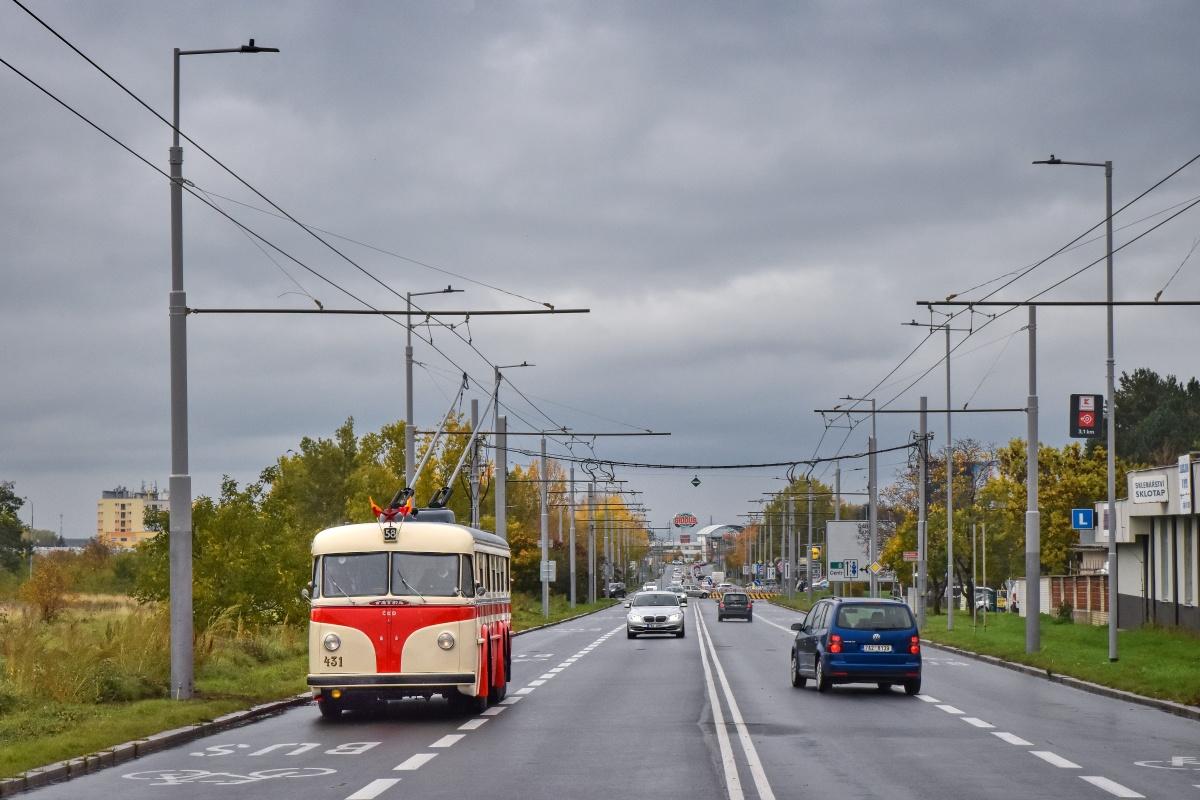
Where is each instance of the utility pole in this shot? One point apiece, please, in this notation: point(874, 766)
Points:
point(809, 500)
point(591, 541)
point(474, 476)
point(837, 492)
point(1033, 517)
point(545, 536)
point(922, 513)
point(949, 498)
point(572, 542)
point(873, 501)
point(501, 490)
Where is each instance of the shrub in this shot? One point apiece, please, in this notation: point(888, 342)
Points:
point(1065, 613)
point(47, 589)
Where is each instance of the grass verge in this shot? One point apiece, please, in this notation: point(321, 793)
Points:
point(36, 733)
point(799, 601)
point(527, 610)
point(1156, 662)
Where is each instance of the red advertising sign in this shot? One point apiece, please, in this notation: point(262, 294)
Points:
point(685, 520)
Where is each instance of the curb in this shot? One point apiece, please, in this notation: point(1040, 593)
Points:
point(127, 751)
point(556, 622)
point(1169, 706)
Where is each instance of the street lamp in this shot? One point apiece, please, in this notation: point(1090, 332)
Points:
point(872, 500)
point(1110, 366)
point(181, 481)
point(31, 539)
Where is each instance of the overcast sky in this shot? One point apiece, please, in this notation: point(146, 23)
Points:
point(748, 196)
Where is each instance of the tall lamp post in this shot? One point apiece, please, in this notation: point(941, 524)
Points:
point(181, 480)
point(1110, 367)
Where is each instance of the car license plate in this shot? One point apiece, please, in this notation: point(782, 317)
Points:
point(877, 648)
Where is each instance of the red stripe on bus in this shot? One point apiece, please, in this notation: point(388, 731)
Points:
point(390, 626)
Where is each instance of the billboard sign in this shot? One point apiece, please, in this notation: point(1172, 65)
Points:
point(1150, 488)
point(1185, 485)
point(685, 520)
point(846, 545)
point(1087, 416)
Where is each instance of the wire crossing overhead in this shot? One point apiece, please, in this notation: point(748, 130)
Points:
point(764, 465)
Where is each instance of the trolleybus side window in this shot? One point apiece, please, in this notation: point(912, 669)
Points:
point(466, 580)
point(354, 575)
point(426, 574)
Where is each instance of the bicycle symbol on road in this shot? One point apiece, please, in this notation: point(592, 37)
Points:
point(178, 777)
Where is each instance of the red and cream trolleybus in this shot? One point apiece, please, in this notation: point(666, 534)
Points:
point(412, 607)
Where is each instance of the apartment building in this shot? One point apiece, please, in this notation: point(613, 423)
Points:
point(120, 513)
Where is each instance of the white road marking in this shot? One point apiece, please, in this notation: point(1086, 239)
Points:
point(733, 784)
point(977, 722)
point(556, 670)
point(788, 631)
point(547, 676)
point(449, 740)
point(1012, 738)
point(493, 711)
point(508, 701)
point(950, 709)
point(1055, 759)
point(1112, 787)
point(538, 682)
point(752, 761)
point(525, 690)
point(928, 699)
point(374, 789)
point(415, 762)
point(472, 724)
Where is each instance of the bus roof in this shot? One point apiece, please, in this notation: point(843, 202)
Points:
point(412, 536)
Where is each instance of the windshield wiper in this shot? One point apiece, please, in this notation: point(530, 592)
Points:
point(343, 591)
point(400, 575)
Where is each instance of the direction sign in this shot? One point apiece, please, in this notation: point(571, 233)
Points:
point(837, 570)
point(550, 571)
point(1087, 415)
point(1083, 519)
point(851, 568)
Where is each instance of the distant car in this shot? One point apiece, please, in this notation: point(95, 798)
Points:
point(725, 587)
point(649, 587)
point(857, 640)
point(680, 592)
point(696, 591)
point(654, 612)
point(615, 589)
point(735, 605)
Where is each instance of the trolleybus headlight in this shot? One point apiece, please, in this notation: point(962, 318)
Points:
point(333, 642)
point(445, 640)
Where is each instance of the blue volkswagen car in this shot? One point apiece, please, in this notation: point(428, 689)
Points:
point(857, 640)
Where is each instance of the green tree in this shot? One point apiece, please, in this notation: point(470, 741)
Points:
point(11, 546)
point(1158, 419)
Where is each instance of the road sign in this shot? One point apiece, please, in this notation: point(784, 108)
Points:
point(550, 571)
point(815, 555)
point(837, 570)
point(851, 568)
point(910, 555)
point(685, 520)
point(695, 481)
point(1087, 415)
point(1083, 519)
point(875, 567)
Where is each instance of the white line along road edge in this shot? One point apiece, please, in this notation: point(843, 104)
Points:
point(761, 784)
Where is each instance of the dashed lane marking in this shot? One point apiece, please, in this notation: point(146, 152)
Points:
point(524, 690)
point(547, 676)
point(928, 698)
point(509, 701)
point(414, 762)
point(950, 709)
point(556, 670)
point(1055, 759)
point(449, 740)
point(374, 789)
point(1012, 738)
point(1112, 787)
point(493, 711)
point(977, 722)
point(538, 682)
point(472, 724)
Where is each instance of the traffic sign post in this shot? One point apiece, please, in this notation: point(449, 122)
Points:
point(1087, 416)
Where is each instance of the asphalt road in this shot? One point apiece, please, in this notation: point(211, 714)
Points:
point(594, 715)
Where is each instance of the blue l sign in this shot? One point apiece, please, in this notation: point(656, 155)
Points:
point(1083, 519)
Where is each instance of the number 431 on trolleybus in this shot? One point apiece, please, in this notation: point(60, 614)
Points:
point(409, 607)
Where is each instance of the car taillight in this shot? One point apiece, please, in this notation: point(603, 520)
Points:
point(721, 604)
point(750, 604)
point(835, 643)
point(915, 646)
